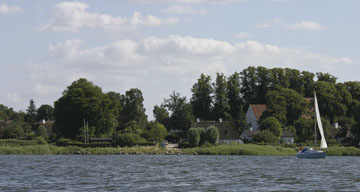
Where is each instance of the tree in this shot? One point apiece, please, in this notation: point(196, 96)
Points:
point(41, 131)
point(308, 79)
point(84, 100)
point(201, 99)
point(156, 132)
point(161, 115)
point(45, 112)
point(221, 104)
point(249, 88)
point(181, 112)
point(212, 134)
point(235, 101)
point(193, 137)
point(266, 136)
point(14, 131)
point(134, 108)
point(31, 113)
point(7, 113)
point(326, 77)
point(304, 129)
point(273, 125)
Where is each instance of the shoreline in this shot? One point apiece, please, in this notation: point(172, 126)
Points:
point(225, 149)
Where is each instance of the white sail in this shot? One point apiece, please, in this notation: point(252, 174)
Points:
point(318, 119)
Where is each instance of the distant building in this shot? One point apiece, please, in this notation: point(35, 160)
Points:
point(49, 126)
point(227, 132)
point(286, 136)
point(253, 115)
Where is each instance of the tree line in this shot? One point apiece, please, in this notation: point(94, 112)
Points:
point(285, 91)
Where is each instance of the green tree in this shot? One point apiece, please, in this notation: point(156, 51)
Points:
point(326, 77)
point(156, 132)
point(161, 115)
point(273, 125)
point(31, 113)
point(201, 99)
point(41, 132)
point(193, 137)
point(308, 79)
point(45, 112)
point(134, 108)
point(212, 134)
point(221, 104)
point(304, 129)
point(84, 100)
point(6, 113)
point(249, 88)
point(14, 131)
point(181, 112)
point(266, 136)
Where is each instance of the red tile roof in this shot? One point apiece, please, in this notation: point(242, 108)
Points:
point(258, 110)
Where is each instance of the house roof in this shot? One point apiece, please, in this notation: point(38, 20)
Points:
point(287, 134)
point(226, 130)
point(258, 109)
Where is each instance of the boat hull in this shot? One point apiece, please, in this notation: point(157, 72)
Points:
point(312, 154)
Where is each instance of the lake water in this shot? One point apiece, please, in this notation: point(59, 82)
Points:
point(177, 173)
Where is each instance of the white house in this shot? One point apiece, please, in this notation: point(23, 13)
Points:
point(253, 115)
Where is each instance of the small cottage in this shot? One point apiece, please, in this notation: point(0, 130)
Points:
point(253, 115)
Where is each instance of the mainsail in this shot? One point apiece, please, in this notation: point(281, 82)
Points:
point(318, 119)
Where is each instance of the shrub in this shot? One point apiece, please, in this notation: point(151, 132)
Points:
point(193, 137)
point(127, 139)
point(212, 135)
point(14, 131)
point(156, 132)
point(40, 140)
point(266, 136)
point(41, 131)
point(273, 125)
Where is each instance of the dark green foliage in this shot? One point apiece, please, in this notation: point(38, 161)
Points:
point(133, 108)
point(161, 115)
point(83, 100)
point(304, 129)
point(221, 103)
point(193, 137)
point(326, 77)
point(181, 112)
point(156, 132)
point(14, 131)
point(40, 140)
point(212, 135)
point(128, 139)
point(31, 113)
point(41, 132)
point(266, 136)
point(273, 125)
point(45, 112)
point(201, 99)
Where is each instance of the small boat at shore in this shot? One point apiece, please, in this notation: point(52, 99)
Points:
point(309, 152)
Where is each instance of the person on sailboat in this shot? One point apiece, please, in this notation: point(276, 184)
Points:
point(301, 148)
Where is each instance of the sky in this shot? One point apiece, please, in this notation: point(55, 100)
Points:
point(161, 46)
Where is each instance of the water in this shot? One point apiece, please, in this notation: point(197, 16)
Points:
point(177, 173)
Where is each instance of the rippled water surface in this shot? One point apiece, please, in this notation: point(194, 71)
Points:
point(177, 173)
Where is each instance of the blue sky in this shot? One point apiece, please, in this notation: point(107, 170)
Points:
point(163, 45)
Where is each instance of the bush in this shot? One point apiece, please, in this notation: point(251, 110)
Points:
point(41, 132)
point(14, 131)
point(266, 136)
point(273, 125)
point(40, 140)
point(193, 137)
point(212, 135)
point(156, 132)
point(129, 139)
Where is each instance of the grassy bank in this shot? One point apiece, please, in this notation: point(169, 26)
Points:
point(243, 149)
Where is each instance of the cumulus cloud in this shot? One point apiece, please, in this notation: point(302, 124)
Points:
point(306, 25)
point(178, 9)
point(73, 16)
point(269, 23)
point(7, 9)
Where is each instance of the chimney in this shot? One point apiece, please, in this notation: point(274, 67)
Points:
point(197, 120)
point(220, 120)
point(43, 121)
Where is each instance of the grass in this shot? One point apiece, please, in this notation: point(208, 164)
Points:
point(243, 149)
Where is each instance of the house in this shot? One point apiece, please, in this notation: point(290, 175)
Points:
point(49, 126)
point(227, 132)
point(286, 136)
point(253, 115)
point(247, 135)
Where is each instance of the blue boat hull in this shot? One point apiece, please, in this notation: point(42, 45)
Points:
point(313, 154)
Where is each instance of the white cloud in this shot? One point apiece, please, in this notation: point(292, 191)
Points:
point(243, 35)
point(269, 23)
point(73, 16)
point(178, 9)
point(13, 97)
point(306, 25)
point(6, 9)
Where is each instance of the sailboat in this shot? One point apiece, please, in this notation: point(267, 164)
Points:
point(309, 152)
